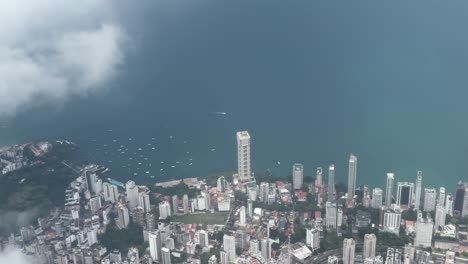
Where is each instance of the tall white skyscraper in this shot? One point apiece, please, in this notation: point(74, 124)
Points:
point(266, 249)
point(229, 244)
point(243, 155)
point(298, 175)
point(132, 194)
point(331, 183)
point(389, 189)
point(164, 210)
point(313, 238)
point(154, 238)
point(405, 191)
point(175, 205)
point(417, 190)
point(370, 242)
point(319, 177)
point(441, 200)
point(449, 204)
point(352, 169)
point(144, 201)
point(166, 256)
point(123, 217)
point(264, 190)
point(185, 204)
point(424, 228)
point(242, 216)
point(430, 195)
point(111, 193)
point(349, 247)
point(250, 208)
point(377, 198)
point(331, 215)
point(440, 216)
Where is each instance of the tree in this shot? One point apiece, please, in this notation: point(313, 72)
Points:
point(410, 215)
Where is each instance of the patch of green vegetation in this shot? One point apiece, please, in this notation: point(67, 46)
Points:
point(38, 187)
point(179, 190)
point(204, 218)
point(123, 239)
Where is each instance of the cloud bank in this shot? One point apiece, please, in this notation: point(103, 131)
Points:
point(53, 49)
point(14, 256)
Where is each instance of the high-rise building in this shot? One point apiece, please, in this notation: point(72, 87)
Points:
point(389, 190)
point(440, 216)
point(405, 194)
point(91, 179)
point(154, 238)
point(221, 184)
point(111, 192)
point(313, 238)
point(409, 251)
point(132, 194)
point(164, 210)
point(252, 192)
point(370, 242)
point(144, 201)
point(366, 196)
point(123, 216)
point(243, 155)
point(242, 216)
point(391, 221)
point(95, 204)
point(150, 221)
point(441, 200)
point(229, 245)
point(331, 215)
point(352, 170)
point(430, 195)
point(297, 175)
point(417, 190)
point(349, 247)
point(166, 256)
point(319, 177)
point(424, 228)
point(264, 191)
point(331, 183)
point(449, 204)
point(250, 208)
point(224, 257)
point(175, 205)
point(185, 204)
point(266, 249)
point(377, 198)
point(460, 205)
point(254, 247)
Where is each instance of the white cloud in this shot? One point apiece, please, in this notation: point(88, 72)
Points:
point(14, 256)
point(51, 49)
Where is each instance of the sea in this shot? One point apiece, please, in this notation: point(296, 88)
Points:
point(312, 81)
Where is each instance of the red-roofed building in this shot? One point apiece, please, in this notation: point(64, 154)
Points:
point(279, 184)
point(318, 215)
point(301, 196)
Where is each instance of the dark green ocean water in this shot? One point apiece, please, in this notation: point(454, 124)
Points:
point(311, 80)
